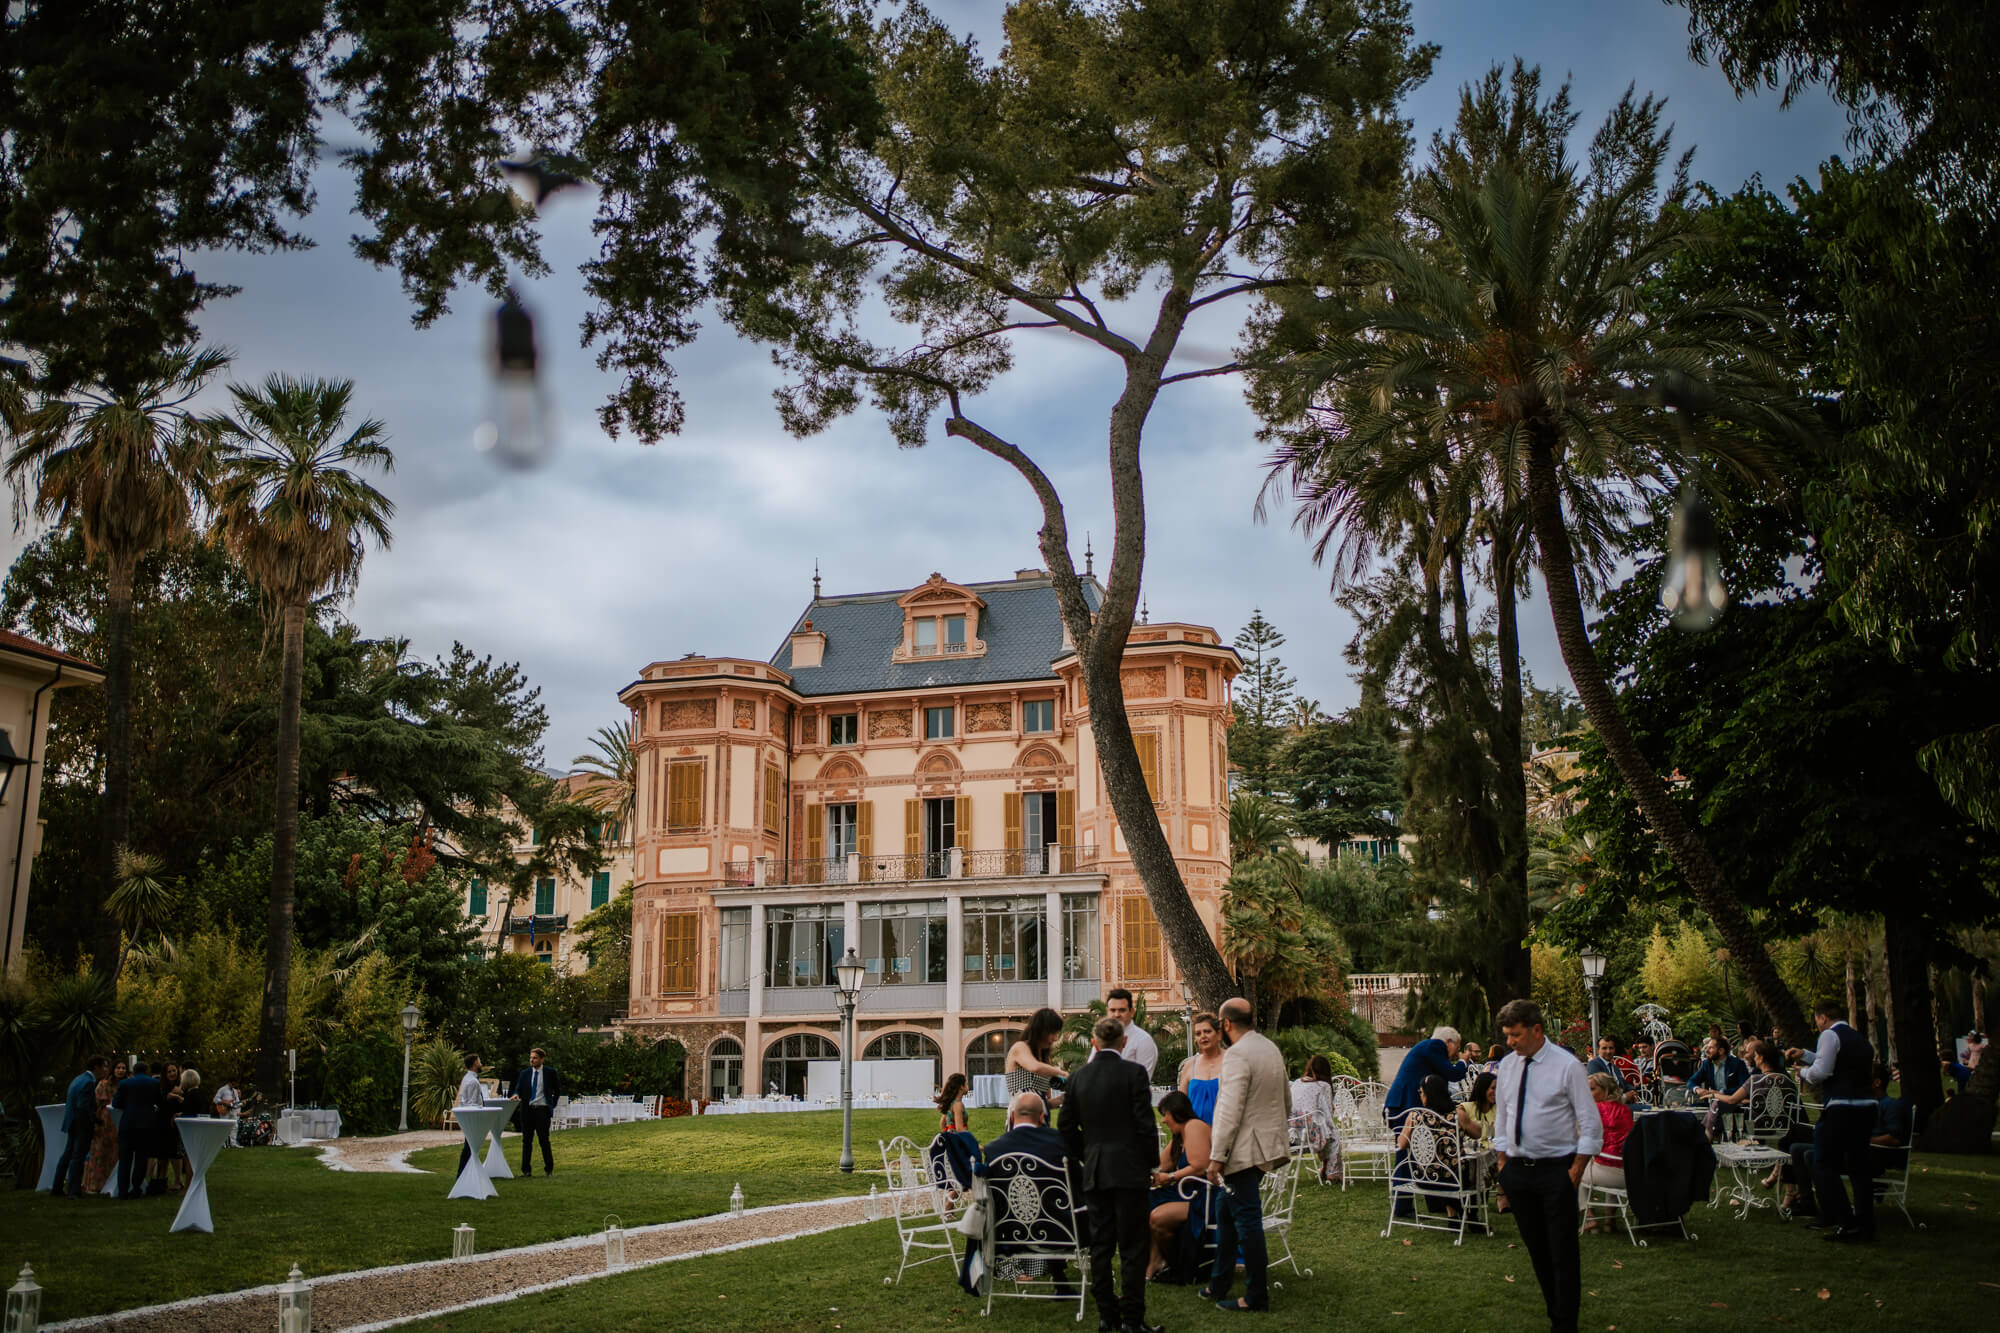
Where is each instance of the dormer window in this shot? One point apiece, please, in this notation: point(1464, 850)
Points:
point(940, 619)
point(954, 634)
point(925, 640)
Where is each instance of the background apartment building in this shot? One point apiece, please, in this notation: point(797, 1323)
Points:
point(913, 772)
point(544, 922)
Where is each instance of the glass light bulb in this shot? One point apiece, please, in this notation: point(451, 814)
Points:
point(1691, 590)
point(519, 432)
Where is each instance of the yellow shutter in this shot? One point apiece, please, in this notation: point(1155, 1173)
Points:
point(815, 832)
point(684, 794)
point(864, 836)
point(1142, 938)
point(677, 953)
point(962, 823)
point(773, 806)
point(913, 828)
point(1148, 745)
point(1010, 805)
point(1066, 826)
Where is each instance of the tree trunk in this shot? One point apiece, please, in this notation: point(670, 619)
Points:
point(1510, 882)
point(284, 862)
point(1853, 998)
point(1888, 998)
point(106, 937)
point(1689, 854)
point(1906, 941)
point(1868, 990)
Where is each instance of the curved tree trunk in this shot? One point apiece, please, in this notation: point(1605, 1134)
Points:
point(1689, 854)
point(1510, 882)
point(106, 937)
point(284, 862)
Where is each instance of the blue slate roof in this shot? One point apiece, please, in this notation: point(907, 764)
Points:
point(1021, 627)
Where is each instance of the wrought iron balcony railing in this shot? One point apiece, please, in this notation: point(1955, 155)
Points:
point(956, 863)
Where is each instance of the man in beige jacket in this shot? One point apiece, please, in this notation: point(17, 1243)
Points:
point(1249, 1138)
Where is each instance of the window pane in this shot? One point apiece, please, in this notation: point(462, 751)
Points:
point(843, 728)
point(1038, 715)
point(478, 905)
point(937, 724)
point(545, 897)
point(1080, 937)
point(954, 630)
point(926, 634)
point(600, 889)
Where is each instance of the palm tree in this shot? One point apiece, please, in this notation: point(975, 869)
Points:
point(615, 773)
point(294, 515)
point(128, 470)
point(1524, 320)
point(1257, 827)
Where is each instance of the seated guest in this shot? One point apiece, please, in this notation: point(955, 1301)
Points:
point(1642, 1056)
point(955, 1130)
point(1610, 1053)
point(1955, 1074)
point(1607, 1168)
point(1769, 1061)
point(1433, 1094)
point(1180, 1224)
point(1312, 1110)
point(1474, 1057)
point(1028, 1131)
point(1719, 1074)
point(1475, 1116)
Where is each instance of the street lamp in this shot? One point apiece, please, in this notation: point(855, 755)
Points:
point(848, 973)
point(1593, 972)
point(410, 1017)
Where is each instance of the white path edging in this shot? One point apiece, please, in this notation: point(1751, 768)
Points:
point(270, 1290)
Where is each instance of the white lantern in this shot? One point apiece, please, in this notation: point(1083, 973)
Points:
point(24, 1303)
point(872, 1210)
point(295, 1303)
point(736, 1201)
point(461, 1241)
point(614, 1243)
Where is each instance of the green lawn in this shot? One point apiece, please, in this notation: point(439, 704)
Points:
point(274, 1207)
point(1757, 1273)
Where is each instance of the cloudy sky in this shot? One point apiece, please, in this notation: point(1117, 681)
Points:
point(617, 554)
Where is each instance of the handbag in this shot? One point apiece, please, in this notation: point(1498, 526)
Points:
point(973, 1224)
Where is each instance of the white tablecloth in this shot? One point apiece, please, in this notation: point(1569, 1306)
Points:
point(606, 1113)
point(988, 1090)
point(315, 1122)
point(202, 1138)
point(898, 1082)
point(761, 1106)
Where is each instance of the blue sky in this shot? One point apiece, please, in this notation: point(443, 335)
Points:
point(617, 554)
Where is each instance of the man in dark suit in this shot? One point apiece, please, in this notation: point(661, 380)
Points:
point(1028, 1132)
point(1107, 1121)
point(79, 1127)
point(538, 1087)
point(138, 1103)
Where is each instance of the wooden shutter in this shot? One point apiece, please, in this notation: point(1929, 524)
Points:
point(684, 794)
point(815, 822)
point(478, 905)
point(600, 889)
point(1142, 938)
point(677, 953)
point(962, 823)
point(913, 828)
point(1148, 745)
point(773, 806)
point(864, 836)
point(1010, 804)
point(1066, 826)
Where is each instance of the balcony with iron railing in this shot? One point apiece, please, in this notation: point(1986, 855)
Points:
point(539, 924)
point(954, 863)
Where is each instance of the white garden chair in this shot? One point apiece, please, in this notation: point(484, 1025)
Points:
point(1440, 1165)
point(922, 1212)
point(1032, 1224)
point(1896, 1187)
point(1366, 1145)
point(1278, 1194)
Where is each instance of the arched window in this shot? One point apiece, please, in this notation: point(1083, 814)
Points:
point(725, 1069)
point(908, 1046)
point(785, 1061)
point(988, 1053)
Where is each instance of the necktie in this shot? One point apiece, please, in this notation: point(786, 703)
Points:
point(1521, 1107)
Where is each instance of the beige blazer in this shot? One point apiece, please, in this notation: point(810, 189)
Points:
point(1252, 1107)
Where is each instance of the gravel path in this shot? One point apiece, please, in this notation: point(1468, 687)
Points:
point(379, 1297)
point(387, 1153)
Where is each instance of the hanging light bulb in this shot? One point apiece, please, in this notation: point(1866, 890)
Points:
point(519, 432)
point(1692, 590)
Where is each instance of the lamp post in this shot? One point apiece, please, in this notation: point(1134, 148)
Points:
point(1593, 972)
point(410, 1017)
point(848, 973)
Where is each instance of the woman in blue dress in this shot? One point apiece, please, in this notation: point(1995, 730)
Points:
point(1201, 1076)
point(1182, 1209)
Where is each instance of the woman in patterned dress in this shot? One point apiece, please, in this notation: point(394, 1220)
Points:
point(1028, 1068)
point(103, 1161)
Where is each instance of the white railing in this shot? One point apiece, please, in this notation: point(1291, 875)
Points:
point(1368, 983)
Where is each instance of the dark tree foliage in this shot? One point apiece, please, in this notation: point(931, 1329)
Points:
point(134, 135)
point(1261, 704)
point(1343, 781)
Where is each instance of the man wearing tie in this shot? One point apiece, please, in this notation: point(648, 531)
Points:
point(1546, 1131)
point(538, 1087)
point(1107, 1123)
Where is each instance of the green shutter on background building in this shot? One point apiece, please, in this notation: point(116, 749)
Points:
point(545, 897)
point(600, 889)
point(478, 907)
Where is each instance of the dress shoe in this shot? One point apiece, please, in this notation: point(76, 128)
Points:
point(1819, 1223)
point(1849, 1236)
point(1231, 1307)
point(1211, 1293)
point(1108, 1325)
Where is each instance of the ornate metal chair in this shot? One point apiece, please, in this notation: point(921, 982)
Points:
point(1032, 1225)
point(921, 1205)
point(1440, 1166)
point(1366, 1144)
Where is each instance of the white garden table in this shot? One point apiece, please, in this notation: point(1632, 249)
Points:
point(605, 1113)
point(52, 1140)
point(496, 1156)
point(477, 1124)
point(202, 1137)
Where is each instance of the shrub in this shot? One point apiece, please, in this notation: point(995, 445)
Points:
point(1300, 1044)
point(435, 1070)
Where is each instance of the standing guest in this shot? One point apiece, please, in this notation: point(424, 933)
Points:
point(1107, 1123)
point(1608, 1167)
point(1438, 1054)
point(1179, 1220)
point(1251, 1114)
point(166, 1137)
point(79, 1125)
point(1546, 1133)
point(1140, 1048)
point(955, 1127)
point(1841, 1067)
point(1027, 1067)
point(226, 1102)
point(138, 1103)
point(537, 1087)
point(192, 1103)
point(1975, 1046)
point(471, 1092)
point(102, 1169)
point(1201, 1073)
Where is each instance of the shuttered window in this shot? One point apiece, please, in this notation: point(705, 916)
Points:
point(600, 889)
point(773, 802)
point(1142, 939)
point(1148, 745)
point(545, 897)
point(677, 953)
point(684, 783)
point(477, 907)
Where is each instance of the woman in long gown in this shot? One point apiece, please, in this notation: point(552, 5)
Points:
point(103, 1162)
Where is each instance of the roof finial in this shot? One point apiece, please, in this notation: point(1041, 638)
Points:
point(815, 578)
point(1088, 556)
point(1142, 610)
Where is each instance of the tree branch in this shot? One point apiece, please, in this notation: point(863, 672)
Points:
point(1229, 369)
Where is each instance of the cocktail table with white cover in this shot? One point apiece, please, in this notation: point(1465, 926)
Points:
point(52, 1143)
point(477, 1124)
point(496, 1156)
point(988, 1090)
point(202, 1138)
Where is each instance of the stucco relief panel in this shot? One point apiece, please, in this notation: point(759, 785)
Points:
point(687, 714)
point(809, 729)
point(746, 715)
point(989, 717)
point(1194, 682)
point(889, 725)
point(1143, 682)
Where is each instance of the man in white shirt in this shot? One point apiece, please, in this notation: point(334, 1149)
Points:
point(471, 1093)
point(1546, 1130)
point(1842, 1068)
point(1140, 1047)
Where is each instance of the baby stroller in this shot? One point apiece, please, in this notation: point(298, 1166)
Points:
point(1673, 1062)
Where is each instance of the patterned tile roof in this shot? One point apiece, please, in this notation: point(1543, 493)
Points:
point(1021, 628)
